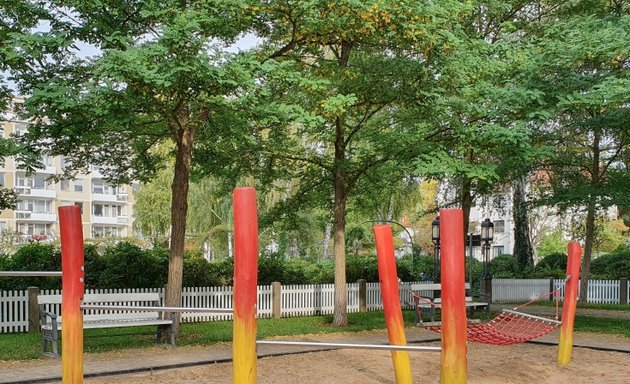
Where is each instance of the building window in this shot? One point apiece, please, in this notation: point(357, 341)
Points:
point(34, 181)
point(3, 226)
point(64, 185)
point(20, 129)
point(78, 185)
point(35, 206)
point(1, 179)
point(80, 205)
point(499, 226)
point(498, 250)
point(105, 231)
point(98, 186)
point(107, 210)
point(34, 228)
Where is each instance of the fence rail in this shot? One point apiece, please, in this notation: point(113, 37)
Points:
point(307, 300)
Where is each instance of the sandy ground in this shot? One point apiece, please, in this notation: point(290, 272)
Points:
point(524, 363)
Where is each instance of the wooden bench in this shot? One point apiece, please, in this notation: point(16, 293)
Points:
point(51, 323)
point(426, 299)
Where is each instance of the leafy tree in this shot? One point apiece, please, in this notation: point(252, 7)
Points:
point(581, 61)
point(157, 77)
point(330, 116)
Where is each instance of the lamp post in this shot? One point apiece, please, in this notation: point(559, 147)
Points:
point(435, 236)
point(487, 234)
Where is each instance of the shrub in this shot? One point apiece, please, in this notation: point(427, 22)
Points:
point(271, 268)
point(553, 265)
point(614, 265)
point(361, 267)
point(222, 272)
point(196, 270)
point(321, 272)
point(35, 257)
point(129, 266)
point(504, 267)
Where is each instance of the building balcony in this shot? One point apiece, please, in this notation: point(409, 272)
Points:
point(123, 220)
point(32, 216)
point(106, 220)
point(47, 169)
point(122, 197)
point(104, 197)
point(28, 191)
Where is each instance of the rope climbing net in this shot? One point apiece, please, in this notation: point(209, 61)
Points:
point(511, 326)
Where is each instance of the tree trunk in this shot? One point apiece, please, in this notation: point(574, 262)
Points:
point(466, 203)
point(466, 195)
point(341, 293)
point(339, 228)
point(523, 250)
point(179, 210)
point(590, 220)
point(340, 182)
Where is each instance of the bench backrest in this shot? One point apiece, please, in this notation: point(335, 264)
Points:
point(131, 299)
point(429, 289)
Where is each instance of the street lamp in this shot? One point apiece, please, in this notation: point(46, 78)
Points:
point(487, 234)
point(435, 236)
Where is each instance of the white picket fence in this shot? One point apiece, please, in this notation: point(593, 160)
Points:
point(303, 300)
point(13, 311)
point(523, 290)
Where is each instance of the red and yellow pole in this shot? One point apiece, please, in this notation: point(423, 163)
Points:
point(565, 342)
point(391, 301)
point(245, 285)
point(453, 365)
point(73, 287)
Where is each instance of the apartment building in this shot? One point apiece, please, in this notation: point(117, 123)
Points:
point(107, 210)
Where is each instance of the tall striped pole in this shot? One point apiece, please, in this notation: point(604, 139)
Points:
point(565, 341)
point(73, 287)
point(453, 365)
point(391, 301)
point(245, 285)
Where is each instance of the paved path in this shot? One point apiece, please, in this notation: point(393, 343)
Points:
point(152, 359)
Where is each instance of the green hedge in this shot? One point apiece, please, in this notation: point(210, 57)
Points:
point(126, 265)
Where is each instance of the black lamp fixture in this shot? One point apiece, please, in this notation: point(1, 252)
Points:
point(435, 236)
point(487, 231)
point(487, 234)
point(435, 230)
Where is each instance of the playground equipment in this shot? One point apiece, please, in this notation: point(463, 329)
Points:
point(245, 283)
point(454, 331)
point(73, 284)
point(30, 273)
point(515, 327)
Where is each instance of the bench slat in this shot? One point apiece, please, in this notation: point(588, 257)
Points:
point(115, 324)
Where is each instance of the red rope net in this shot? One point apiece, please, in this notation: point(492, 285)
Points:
point(509, 327)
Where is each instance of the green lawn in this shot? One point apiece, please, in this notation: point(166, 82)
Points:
point(24, 346)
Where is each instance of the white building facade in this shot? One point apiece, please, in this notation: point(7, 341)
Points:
point(107, 210)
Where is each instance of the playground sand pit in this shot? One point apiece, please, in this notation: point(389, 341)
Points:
point(524, 363)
